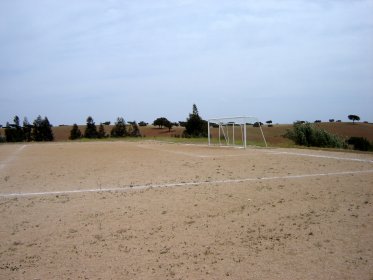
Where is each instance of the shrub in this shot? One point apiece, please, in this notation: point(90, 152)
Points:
point(360, 143)
point(309, 135)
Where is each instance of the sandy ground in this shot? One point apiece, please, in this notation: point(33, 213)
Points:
point(172, 211)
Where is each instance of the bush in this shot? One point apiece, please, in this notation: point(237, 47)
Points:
point(134, 130)
point(360, 143)
point(309, 135)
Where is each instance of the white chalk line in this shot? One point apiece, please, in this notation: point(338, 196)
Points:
point(183, 184)
point(12, 157)
point(249, 154)
point(322, 156)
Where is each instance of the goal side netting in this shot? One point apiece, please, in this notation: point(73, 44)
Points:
point(235, 131)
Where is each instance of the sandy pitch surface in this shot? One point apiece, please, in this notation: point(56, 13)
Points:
point(147, 210)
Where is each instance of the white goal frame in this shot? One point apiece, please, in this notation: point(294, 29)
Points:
point(228, 124)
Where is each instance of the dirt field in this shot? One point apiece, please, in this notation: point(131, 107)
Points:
point(150, 210)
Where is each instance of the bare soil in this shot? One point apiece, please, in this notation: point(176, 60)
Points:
point(173, 211)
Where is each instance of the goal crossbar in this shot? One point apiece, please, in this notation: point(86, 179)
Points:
point(229, 124)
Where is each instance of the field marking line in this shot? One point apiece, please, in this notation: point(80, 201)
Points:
point(183, 184)
point(322, 156)
point(12, 157)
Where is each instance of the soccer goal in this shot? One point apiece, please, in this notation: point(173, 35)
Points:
point(233, 131)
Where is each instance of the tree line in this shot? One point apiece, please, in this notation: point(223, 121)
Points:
point(120, 129)
point(39, 130)
point(195, 126)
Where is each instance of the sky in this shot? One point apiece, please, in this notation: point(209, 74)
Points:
point(279, 60)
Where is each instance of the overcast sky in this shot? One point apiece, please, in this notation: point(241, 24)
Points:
point(283, 60)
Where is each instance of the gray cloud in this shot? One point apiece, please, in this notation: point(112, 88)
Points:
point(143, 58)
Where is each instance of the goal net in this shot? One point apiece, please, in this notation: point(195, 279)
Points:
point(235, 131)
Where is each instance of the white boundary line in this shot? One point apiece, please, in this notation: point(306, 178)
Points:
point(12, 157)
point(173, 185)
point(321, 156)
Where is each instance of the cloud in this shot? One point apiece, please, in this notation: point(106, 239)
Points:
point(196, 51)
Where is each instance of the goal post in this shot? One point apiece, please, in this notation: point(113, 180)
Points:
point(232, 131)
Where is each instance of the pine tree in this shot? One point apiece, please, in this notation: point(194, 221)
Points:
point(90, 130)
point(75, 132)
point(47, 130)
point(195, 126)
point(27, 128)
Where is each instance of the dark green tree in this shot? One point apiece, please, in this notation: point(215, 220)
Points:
point(354, 118)
point(75, 132)
point(119, 129)
point(14, 132)
point(142, 123)
point(27, 129)
point(195, 126)
point(42, 130)
point(91, 129)
point(160, 122)
point(101, 131)
point(169, 125)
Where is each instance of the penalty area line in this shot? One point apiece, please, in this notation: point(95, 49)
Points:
point(185, 184)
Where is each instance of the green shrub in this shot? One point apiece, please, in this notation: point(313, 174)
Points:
point(360, 143)
point(306, 134)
